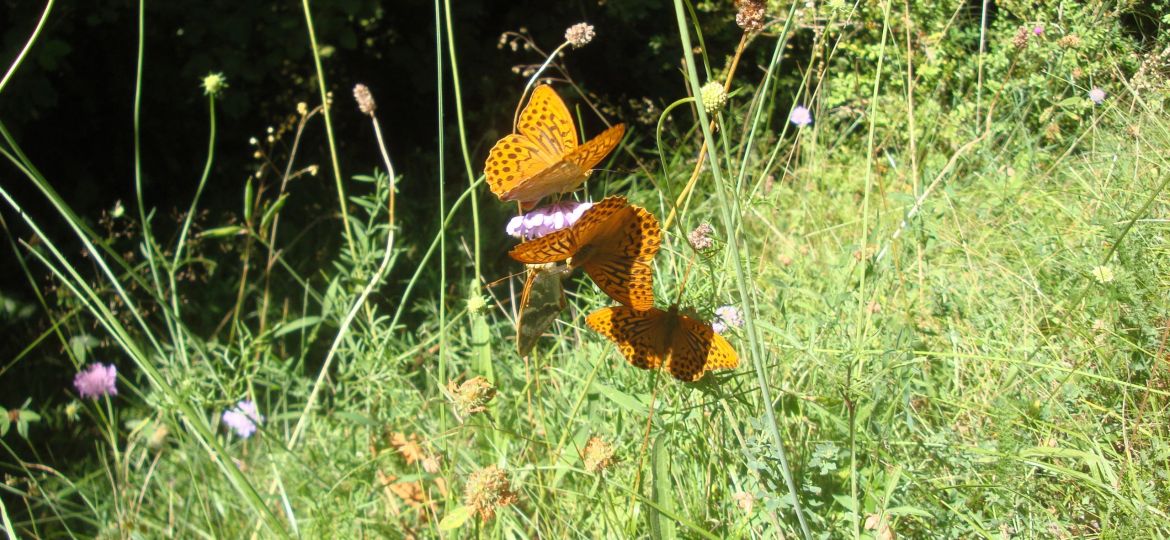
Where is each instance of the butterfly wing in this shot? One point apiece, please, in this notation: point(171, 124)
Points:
point(620, 253)
point(639, 335)
point(695, 349)
point(512, 162)
point(570, 172)
point(588, 155)
point(540, 303)
point(562, 244)
point(547, 122)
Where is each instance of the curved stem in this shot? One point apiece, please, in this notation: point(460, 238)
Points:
point(27, 46)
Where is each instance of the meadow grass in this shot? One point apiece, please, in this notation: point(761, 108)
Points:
point(955, 327)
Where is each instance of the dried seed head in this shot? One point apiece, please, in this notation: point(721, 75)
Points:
point(365, 101)
point(472, 396)
point(700, 238)
point(750, 14)
point(597, 455)
point(579, 35)
point(487, 490)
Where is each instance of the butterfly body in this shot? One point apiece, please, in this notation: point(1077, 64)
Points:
point(544, 157)
point(654, 338)
point(613, 241)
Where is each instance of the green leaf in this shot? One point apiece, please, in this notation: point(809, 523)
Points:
point(248, 196)
point(5, 423)
point(220, 232)
point(622, 399)
point(293, 326)
point(661, 525)
point(456, 518)
point(273, 210)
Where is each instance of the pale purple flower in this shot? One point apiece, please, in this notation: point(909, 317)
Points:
point(726, 317)
point(800, 116)
point(1097, 95)
point(96, 381)
point(1038, 30)
point(243, 418)
point(546, 219)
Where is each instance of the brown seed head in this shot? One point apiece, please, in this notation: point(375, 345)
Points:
point(487, 490)
point(597, 455)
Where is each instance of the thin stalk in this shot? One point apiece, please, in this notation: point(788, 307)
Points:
point(147, 234)
point(725, 211)
point(27, 46)
point(329, 128)
point(463, 136)
point(442, 204)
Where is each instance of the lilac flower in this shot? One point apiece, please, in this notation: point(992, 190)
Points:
point(800, 116)
point(546, 219)
point(1097, 95)
point(243, 418)
point(96, 381)
point(726, 317)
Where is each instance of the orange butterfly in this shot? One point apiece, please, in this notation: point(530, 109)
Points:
point(540, 303)
point(544, 157)
point(655, 338)
point(613, 241)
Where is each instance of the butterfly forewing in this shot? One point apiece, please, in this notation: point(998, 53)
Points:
point(696, 349)
point(623, 270)
point(543, 158)
point(547, 122)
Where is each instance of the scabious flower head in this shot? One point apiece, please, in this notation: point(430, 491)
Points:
point(727, 317)
point(579, 35)
point(472, 396)
point(700, 238)
point(546, 219)
point(800, 116)
point(365, 101)
point(597, 455)
point(1097, 95)
point(96, 381)
point(749, 14)
point(487, 490)
point(713, 96)
point(243, 418)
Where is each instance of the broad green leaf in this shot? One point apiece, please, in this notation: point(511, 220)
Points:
point(456, 518)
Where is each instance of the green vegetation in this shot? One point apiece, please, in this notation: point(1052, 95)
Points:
point(955, 283)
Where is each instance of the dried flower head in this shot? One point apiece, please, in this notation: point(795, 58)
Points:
point(579, 35)
point(96, 381)
point(1070, 41)
point(726, 317)
point(214, 84)
point(243, 418)
point(472, 396)
point(365, 101)
point(1097, 95)
point(750, 14)
point(713, 96)
point(547, 219)
point(597, 455)
point(800, 116)
point(487, 490)
point(1104, 274)
point(1020, 40)
point(700, 238)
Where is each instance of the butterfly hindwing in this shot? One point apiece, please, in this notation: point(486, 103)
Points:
point(588, 155)
point(695, 349)
point(639, 335)
point(564, 243)
point(623, 269)
point(540, 304)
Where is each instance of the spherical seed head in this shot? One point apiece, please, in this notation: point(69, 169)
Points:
point(579, 35)
point(700, 238)
point(597, 455)
point(365, 101)
point(487, 490)
point(472, 396)
point(714, 97)
point(214, 84)
point(750, 14)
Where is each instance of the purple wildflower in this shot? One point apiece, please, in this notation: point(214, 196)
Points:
point(546, 219)
point(1038, 30)
point(800, 116)
point(243, 418)
point(726, 317)
point(96, 381)
point(1097, 95)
